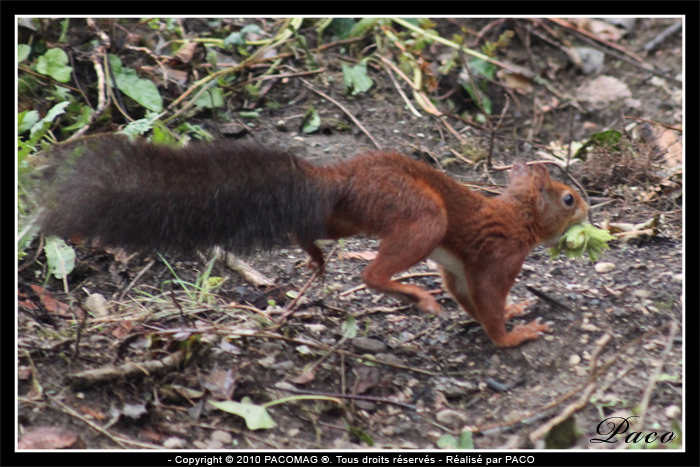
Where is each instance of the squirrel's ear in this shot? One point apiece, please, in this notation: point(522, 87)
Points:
point(541, 176)
point(519, 170)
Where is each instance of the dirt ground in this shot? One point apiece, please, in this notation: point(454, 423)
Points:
point(441, 373)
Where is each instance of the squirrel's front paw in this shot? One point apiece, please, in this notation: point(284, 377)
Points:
point(523, 332)
point(533, 329)
point(429, 305)
point(517, 309)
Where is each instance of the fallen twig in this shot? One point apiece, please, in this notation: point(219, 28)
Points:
point(398, 88)
point(658, 40)
point(670, 127)
point(128, 370)
point(345, 396)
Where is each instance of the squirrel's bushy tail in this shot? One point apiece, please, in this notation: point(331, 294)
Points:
point(143, 196)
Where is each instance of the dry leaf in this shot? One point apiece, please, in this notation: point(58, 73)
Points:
point(367, 378)
point(516, 81)
point(92, 413)
point(670, 145)
point(186, 52)
point(306, 377)
point(51, 304)
point(220, 383)
point(47, 437)
point(602, 91)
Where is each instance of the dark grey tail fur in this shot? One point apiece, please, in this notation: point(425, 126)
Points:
point(142, 196)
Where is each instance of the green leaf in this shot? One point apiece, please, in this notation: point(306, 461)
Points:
point(26, 119)
point(116, 64)
point(363, 26)
point(26, 233)
point(256, 416)
point(311, 121)
point(361, 434)
point(53, 63)
point(465, 440)
point(447, 442)
point(23, 51)
point(667, 377)
point(196, 131)
point(450, 442)
point(249, 114)
point(484, 98)
point(163, 135)
point(142, 91)
point(234, 38)
point(212, 57)
point(64, 30)
point(356, 79)
point(606, 138)
point(82, 120)
point(340, 27)
point(349, 328)
point(413, 21)
point(43, 124)
point(212, 98)
point(250, 28)
point(252, 92)
point(140, 126)
point(59, 256)
point(482, 68)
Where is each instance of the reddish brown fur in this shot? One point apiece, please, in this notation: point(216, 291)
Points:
point(415, 209)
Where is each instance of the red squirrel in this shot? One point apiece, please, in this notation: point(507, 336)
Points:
point(143, 196)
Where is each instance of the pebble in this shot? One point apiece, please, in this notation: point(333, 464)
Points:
point(451, 418)
point(672, 411)
point(223, 437)
point(603, 268)
point(389, 358)
point(97, 304)
point(365, 344)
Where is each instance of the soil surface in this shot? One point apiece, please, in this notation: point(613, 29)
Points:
point(440, 374)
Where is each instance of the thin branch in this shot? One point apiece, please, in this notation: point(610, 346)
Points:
point(345, 396)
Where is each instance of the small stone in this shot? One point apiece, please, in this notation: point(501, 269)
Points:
point(603, 268)
point(223, 437)
point(451, 418)
point(174, 443)
point(365, 344)
point(672, 411)
point(97, 305)
point(389, 358)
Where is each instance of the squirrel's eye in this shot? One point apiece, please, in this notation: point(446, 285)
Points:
point(569, 200)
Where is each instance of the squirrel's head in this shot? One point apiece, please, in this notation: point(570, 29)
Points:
point(555, 206)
